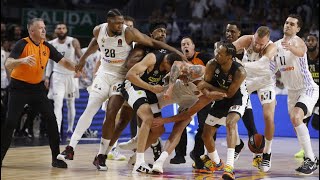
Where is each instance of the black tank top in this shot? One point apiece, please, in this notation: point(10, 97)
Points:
point(222, 80)
point(314, 68)
point(155, 76)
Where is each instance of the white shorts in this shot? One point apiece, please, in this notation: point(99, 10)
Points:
point(308, 97)
point(137, 97)
point(63, 85)
point(105, 85)
point(266, 93)
point(184, 95)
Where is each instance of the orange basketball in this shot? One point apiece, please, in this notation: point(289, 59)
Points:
point(256, 143)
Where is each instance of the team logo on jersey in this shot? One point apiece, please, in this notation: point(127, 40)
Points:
point(217, 71)
point(156, 72)
point(44, 53)
point(103, 40)
point(249, 51)
point(69, 45)
point(120, 43)
point(230, 77)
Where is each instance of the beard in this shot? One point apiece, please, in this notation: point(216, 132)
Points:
point(312, 49)
point(62, 36)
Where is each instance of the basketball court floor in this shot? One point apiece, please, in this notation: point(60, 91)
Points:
point(31, 163)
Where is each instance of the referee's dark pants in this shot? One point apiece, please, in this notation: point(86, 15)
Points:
point(21, 93)
point(198, 149)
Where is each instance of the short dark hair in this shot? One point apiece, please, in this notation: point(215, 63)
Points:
point(230, 48)
point(61, 23)
point(234, 23)
point(113, 13)
point(128, 18)
point(187, 37)
point(172, 57)
point(297, 16)
point(314, 35)
point(33, 20)
point(157, 24)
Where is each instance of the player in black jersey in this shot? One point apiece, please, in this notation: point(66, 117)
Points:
point(228, 76)
point(144, 80)
point(232, 33)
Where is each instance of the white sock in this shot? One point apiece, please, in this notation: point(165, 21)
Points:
point(71, 113)
point(230, 157)
point(164, 155)
point(140, 158)
point(58, 104)
point(104, 144)
point(214, 156)
point(109, 149)
point(304, 138)
point(267, 146)
point(85, 120)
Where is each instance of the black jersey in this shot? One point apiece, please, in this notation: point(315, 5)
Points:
point(222, 80)
point(314, 68)
point(155, 76)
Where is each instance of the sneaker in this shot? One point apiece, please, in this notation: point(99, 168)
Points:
point(257, 160)
point(308, 166)
point(114, 154)
point(238, 149)
point(157, 149)
point(59, 164)
point(141, 168)
point(68, 153)
point(266, 162)
point(299, 154)
point(132, 161)
point(129, 145)
point(228, 173)
point(178, 160)
point(198, 162)
point(100, 162)
point(211, 165)
point(157, 167)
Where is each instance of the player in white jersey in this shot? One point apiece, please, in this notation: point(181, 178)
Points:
point(303, 92)
point(63, 84)
point(115, 41)
point(258, 53)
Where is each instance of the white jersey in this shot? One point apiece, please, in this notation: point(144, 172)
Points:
point(114, 52)
point(294, 70)
point(68, 51)
point(266, 76)
point(4, 77)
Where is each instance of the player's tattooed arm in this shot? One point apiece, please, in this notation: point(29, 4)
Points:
point(197, 71)
point(174, 75)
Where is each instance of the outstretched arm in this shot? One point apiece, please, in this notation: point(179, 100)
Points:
point(93, 47)
point(201, 103)
point(136, 36)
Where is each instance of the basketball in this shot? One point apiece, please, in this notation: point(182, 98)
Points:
point(256, 143)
